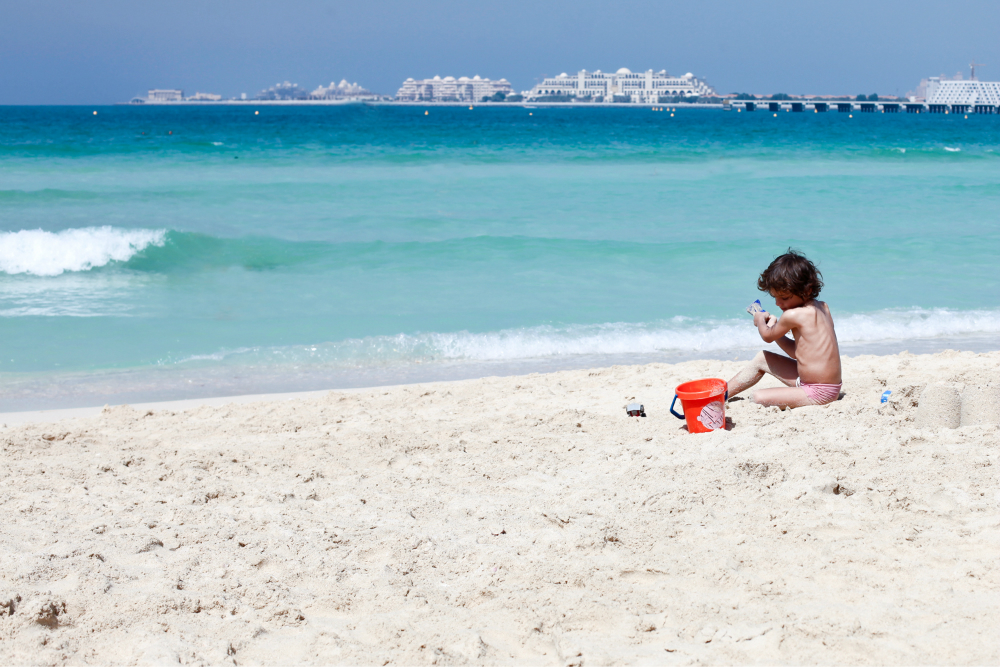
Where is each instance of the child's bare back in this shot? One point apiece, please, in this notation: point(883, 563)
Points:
point(812, 371)
point(815, 345)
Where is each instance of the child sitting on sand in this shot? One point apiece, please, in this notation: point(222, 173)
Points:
point(813, 373)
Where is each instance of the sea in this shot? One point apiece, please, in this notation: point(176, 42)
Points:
point(161, 252)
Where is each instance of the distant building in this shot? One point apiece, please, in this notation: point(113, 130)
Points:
point(339, 91)
point(451, 89)
point(624, 85)
point(158, 95)
point(292, 91)
point(283, 91)
point(205, 97)
point(923, 91)
point(920, 93)
point(969, 91)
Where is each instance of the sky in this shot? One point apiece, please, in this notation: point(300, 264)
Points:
point(108, 51)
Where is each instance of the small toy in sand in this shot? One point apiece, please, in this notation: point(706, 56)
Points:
point(885, 397)
point(635, 410)
point(755, 307)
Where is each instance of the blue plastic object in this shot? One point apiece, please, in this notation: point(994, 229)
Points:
point(755, 307)
point(886, 396)
point(672, 408)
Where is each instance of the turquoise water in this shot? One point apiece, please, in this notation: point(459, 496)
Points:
point(152, 253)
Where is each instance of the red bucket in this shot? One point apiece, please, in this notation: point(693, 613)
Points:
point(703, 403)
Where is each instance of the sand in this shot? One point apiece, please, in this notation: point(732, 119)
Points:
point(520, 520)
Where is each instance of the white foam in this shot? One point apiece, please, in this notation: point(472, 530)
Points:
point(42, 253)
point(683, 335)
point(612, 338)
point(678, 335)
point(953, 150)
point(900, 324)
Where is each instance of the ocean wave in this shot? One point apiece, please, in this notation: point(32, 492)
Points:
point(679, 335)
point(43, 253)
point(184, 252)
point(904, 324)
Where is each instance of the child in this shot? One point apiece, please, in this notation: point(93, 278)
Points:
point(812, 371)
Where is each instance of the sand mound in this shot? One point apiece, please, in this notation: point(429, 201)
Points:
point(521, 520)
point(940, 406)
point(980, 405)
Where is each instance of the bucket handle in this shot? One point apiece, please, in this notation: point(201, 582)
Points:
point(672, 408)
point(726, 397)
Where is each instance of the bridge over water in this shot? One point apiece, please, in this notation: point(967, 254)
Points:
point(822, 106)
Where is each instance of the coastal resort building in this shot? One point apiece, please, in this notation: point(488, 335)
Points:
point(623, 86)
point(965, 91)
point(335, 91)
point(340, 91)
point(164, 95)
point(283, 91)
point(451, 89)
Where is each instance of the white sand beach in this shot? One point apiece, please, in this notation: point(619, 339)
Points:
point(518, 520)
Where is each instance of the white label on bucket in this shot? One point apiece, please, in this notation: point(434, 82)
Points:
point(712, 416)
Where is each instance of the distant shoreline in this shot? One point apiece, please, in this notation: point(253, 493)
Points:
point(799, 106)
point(575, 105)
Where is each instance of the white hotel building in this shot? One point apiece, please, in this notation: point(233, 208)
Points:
point(962, 91)
point(642, 87)
point(165, 95)
point(451, 89)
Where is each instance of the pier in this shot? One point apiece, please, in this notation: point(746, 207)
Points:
point(823, 106)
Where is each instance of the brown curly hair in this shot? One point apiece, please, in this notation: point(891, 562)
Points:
point(792, 273)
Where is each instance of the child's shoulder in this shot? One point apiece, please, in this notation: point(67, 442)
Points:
point(821, 306)
point(811, 313)
point(805, 313)
point(814, 305)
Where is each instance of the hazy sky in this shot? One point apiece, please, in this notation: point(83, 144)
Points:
point(105, 51)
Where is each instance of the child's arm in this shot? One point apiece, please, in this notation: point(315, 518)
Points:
point(772, 329)
point(788, 345)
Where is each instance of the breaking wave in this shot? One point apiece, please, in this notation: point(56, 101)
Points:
point(42, 253)
point(678, 335)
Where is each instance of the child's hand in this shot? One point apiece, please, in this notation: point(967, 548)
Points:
point(764, 319)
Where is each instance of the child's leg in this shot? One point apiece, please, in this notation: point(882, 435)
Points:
point(782, 368)
point(784, 397)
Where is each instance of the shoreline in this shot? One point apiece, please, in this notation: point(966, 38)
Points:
point(214, 386)
point(50, 415)
point(59, 414)
point(516, 520)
